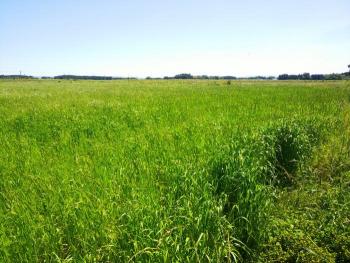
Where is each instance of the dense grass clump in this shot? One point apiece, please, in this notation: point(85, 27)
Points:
point(253, 164)
point(288, 144)
point(310, 219)
point(162, 171)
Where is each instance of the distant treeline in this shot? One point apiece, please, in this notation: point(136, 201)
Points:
point(304, 76)
point(88, 77)
point(259, 78)
point(82, 77)
point(307, 76)
point(70, 77)
point(189, 76)
point(16, 77)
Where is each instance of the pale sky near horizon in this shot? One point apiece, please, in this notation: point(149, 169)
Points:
point(164, 38)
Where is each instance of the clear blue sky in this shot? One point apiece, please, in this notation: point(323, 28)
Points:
point(160, 37)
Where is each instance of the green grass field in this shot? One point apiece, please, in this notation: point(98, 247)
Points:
point(174, 171)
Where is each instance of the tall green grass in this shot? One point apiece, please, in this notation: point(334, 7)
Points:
point(310, 219)
point(152, 171)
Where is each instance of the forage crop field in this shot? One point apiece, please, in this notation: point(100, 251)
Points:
point(174, 171)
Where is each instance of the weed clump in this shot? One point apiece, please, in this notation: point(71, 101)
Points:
point(288, 145)
point(247, 199)
point(254, 163)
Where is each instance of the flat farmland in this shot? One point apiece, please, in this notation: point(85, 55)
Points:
point(174, 170)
